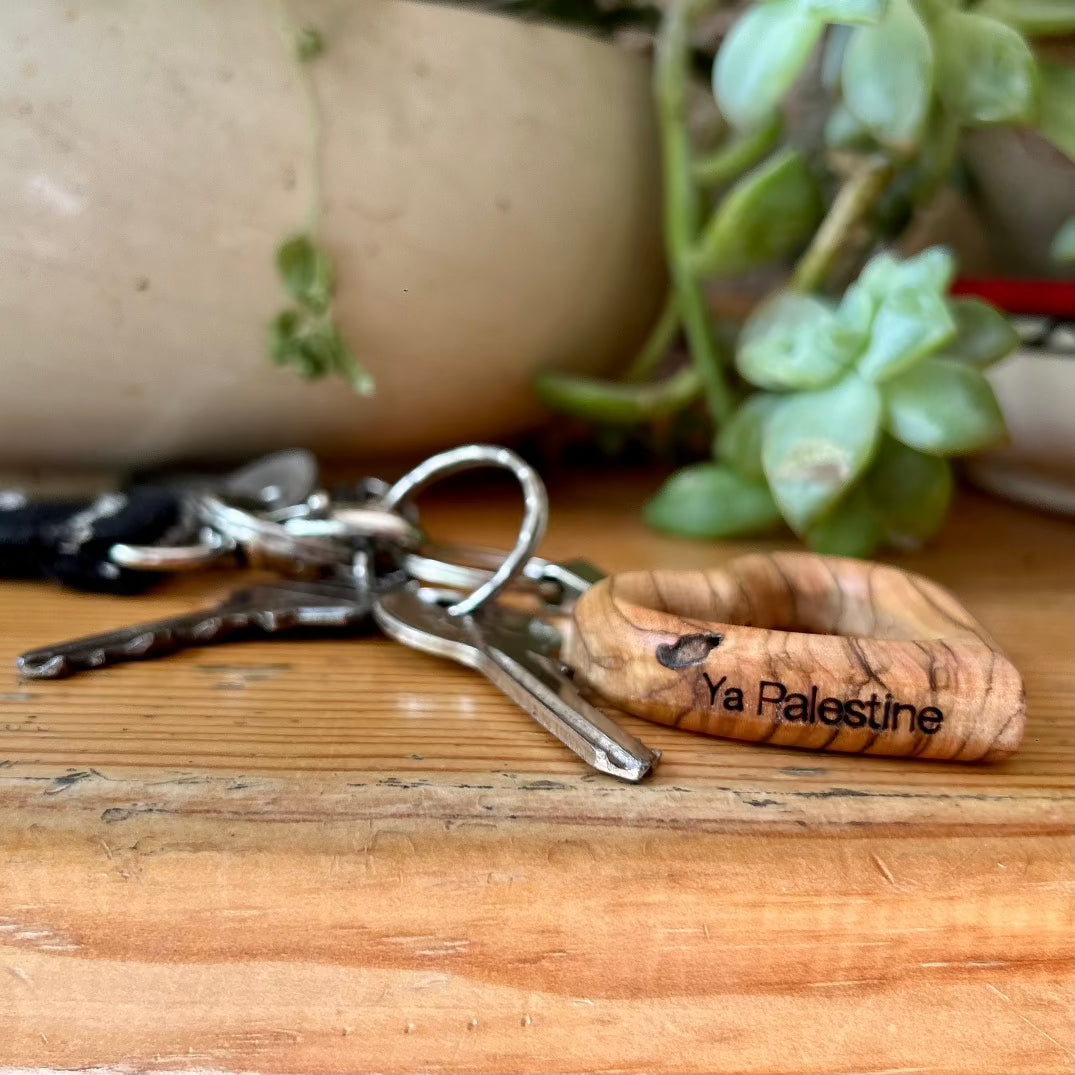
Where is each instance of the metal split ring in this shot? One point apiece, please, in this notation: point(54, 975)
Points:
point(535, 509)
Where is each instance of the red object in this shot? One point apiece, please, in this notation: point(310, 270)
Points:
point(1034, 298)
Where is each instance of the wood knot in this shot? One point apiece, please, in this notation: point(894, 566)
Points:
point(687, 650)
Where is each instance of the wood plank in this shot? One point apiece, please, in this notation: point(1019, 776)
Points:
point(342, 856)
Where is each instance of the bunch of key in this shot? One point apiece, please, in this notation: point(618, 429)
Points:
point(342, 560)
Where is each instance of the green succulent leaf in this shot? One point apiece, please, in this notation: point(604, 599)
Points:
point(739, 441)
point(887, 76)
point(856, 312)
point(832, 57)
point(858, 12)
point(933, 269)
point(908, 492)
point(760, 59)
point(909, 325)
point(850, 529)
point(943, 408)
point(938, 157)
point(795, 341)
point(817, 444)
point(306, 272)
point(710, 500)
point(983, 334)
point(1057, 117)
point(986, 72)
point(1063, 245)
point(844, 131)
point(768, 214)
point(1035, 18)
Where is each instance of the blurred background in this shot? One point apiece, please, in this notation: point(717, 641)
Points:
point(812, 251)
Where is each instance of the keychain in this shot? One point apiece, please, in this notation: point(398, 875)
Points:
point(792, 649)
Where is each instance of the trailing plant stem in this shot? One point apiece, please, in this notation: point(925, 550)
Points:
point(858, 194)
point(660, 339)
point(681, 207)
point(290, 33)
point(619, 404)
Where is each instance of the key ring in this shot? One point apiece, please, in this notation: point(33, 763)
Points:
point(535, 509)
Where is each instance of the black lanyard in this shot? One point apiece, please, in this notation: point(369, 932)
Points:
point(69, 541)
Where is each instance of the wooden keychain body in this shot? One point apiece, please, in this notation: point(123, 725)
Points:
point(801, 650)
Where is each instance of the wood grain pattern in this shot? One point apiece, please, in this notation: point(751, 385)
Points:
point(340, 856)
point(800, 650)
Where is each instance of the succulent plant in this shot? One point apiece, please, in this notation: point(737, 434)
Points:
point(845, 392)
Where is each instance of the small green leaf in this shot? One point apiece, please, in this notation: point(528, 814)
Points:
point(943, 408)
point(844, 131)
point(909, 325)
point(312, 345)
point(306, 272)
point(1063, 245)
point(986, 72)
point(850, 529)
point(859, 12)
point(1057, 117)
point(908, 492)
point(712, 501)
point(794, 341)
point(284, 331)
point(768, 214)
point(983, 335)
point(347, 366)
point(817, 444)
point(887, 76)
point(739, 441)
point(760, 59)
point(1035, 18)
point(309, 44)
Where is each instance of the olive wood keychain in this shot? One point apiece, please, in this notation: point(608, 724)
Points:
point(801, 650)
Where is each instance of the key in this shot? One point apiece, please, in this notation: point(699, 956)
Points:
point(267, 608)
point(515, 652)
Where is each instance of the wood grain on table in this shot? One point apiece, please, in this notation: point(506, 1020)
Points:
point(343, 856)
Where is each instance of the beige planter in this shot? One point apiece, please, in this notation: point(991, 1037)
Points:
point(490, 195)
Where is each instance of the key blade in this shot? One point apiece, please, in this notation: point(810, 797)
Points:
point(269, 608)
point(113, 647)
point(537, 682)
point(537, 687)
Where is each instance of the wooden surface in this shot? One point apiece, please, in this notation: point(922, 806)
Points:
point(343, 856)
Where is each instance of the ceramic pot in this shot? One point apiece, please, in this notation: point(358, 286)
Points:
point(1036, 391)
point(490, 193)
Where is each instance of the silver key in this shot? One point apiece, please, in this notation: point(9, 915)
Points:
point(267, 608)
point(515, 652)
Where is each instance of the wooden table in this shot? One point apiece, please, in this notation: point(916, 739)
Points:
point(343, 856)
